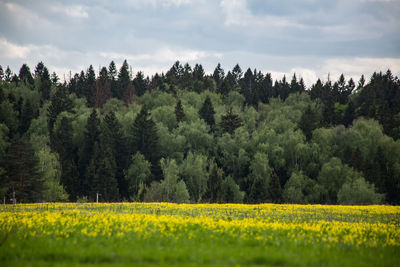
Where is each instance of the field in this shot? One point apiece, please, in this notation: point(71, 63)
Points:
point(207, 234)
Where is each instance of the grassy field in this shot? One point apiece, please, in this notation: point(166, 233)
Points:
point(141, 234)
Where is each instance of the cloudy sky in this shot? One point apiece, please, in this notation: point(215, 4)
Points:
point(309, 37)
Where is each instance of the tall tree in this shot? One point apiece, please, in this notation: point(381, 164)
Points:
point(23, 171)
point(230, 122)
point(145, 138)
point(25, 76)
point(207, 112)
point(179, 113)
point(124, 80)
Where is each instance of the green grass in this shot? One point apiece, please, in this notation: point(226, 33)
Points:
point(202, 249)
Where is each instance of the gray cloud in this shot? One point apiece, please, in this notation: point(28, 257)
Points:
point(279, 36)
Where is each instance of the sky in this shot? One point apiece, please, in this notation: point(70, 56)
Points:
point(312, 38)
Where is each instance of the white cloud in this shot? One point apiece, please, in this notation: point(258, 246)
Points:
point(157, 3)
point(76, 12)
point(12, 51)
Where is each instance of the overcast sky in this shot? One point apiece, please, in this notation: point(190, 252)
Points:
point(309, 37)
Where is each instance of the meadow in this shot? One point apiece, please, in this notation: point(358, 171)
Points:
point(145, 234)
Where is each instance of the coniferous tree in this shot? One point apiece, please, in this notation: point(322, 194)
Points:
point(179, 113)
point(1, 73)
point(145, 139)
point(102, 167)
point(308, 122)
point(140, 83)
point(259, 191)
point(230, 122)
point(124, 80)
point(92, 135)
point(69, 170)
point(121, 151)
point(23, 171)
point(26, 117)
point(25, 76)
point(8, 74)
point(214, 182)
point(207, 112)
point(275, 189)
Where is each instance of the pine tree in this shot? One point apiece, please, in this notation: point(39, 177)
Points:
point(25, 76)
point(140, 83)
point(275, 189)
point(207, 112)
point(69, 170)
point(308, 122)
point(120, 149)
point(22, 166)
point(92, 135)
point(26, 116)
point(259, 191)
point(145, 139)
point(179, 113)
point(124, 80)
point(102, 168)
point(230, 122)
point(214, 190)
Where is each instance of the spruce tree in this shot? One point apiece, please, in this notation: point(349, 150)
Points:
point(275, 189)
point(92, 135)
point(22, 166)
point(207, 112)
point(214, 190)
point(308, 122)
point(258, 191)
point(230, 122)
point(145, 139)
point(179, 113)
point(124, 80)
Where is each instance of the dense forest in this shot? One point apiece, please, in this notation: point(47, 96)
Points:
point(186, 136)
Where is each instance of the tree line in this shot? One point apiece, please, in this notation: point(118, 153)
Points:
point(188, 136)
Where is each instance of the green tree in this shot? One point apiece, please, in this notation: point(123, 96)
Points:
point(23, 172)
point(194, 173)
point(230, 191)
point(179, 113)
point(174, 190)
point(230, 122)
point(298, 189)
point(137, 175)
point(358, 192)
point(308, 122)
point(214, 190)
point(145, 138)
point(124, 80)
point(207, 112)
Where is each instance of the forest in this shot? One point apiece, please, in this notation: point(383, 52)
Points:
point(190, 137)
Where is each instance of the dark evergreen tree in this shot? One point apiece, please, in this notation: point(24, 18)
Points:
point(92, 135)
point(22, 166)
point(230, 122)
point(43, 76)
point(218, 75)
point(308, 122)
point(140, 83)
point(8, 74)
point(124, 80)
point(275, 189)
point(70, 178)
point(59, 102)
point(1, 73)
point(120, 151)
point(26, 117)
point(25, 76)
point(102, 168)
point(214, 190)
point(102, 90)
point(259, 191)
point(179, 113)
point(207, 113)
point(145, 139)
